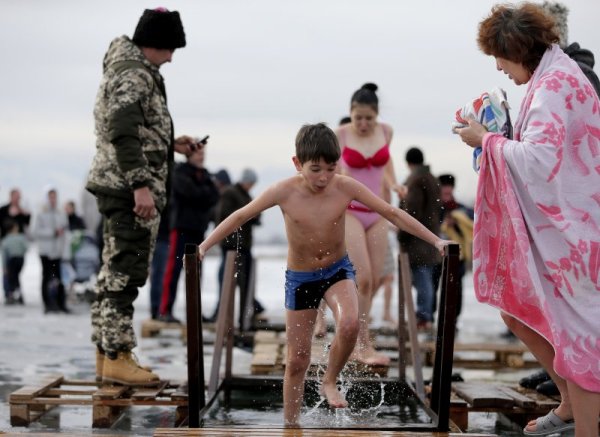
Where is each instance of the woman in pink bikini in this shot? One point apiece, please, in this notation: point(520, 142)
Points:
point(365, 144)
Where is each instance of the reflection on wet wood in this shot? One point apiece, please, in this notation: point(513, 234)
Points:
point(269, 432)
point(270, 349)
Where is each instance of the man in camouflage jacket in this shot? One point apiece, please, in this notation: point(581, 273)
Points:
point(129, 177)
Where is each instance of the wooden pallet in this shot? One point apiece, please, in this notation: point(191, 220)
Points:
point(518, 404)
point(152, 328)
point(269, 353)
point(268, 357)
point(473, 355)
point(29, 403)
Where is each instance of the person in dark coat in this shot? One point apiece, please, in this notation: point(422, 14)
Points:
point(193, 195)
point(12, 213)
point(76, 222)
point(233, 198)
point(422, 201)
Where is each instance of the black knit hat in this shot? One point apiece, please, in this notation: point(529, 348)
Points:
point(160, 29)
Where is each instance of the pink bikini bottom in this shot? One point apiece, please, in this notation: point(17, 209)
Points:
point(364, 215)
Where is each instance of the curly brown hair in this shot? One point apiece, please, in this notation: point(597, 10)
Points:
point(519, 34)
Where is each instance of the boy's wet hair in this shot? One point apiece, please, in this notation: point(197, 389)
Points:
point(316, 141)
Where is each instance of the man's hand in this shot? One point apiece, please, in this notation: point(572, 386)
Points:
point(144, 203)
point(472, 134)
point(185, 145)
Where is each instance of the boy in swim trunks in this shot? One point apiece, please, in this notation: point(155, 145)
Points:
point(313, 204)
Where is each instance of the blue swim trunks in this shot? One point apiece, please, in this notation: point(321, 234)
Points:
point(304, 290)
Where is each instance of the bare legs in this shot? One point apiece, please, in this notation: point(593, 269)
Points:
point(321, 323)
point(387, 284)
point(367, 252)
point(341, 297)
point(576, 402)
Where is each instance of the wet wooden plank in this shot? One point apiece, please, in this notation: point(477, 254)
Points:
point(152, 328)
point(109, 392)
point(304, 432)
point(520, 399)
point(148, 393)
point(483, 395)
point(31, 391)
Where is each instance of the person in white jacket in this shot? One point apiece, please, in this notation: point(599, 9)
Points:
point(49, 231)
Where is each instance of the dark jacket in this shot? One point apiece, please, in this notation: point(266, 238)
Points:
point(5, 220)
point(423, 203)
point(193, 195)
point(585, 60)
point(233, 198)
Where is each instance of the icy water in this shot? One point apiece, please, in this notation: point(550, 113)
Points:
point(33, 345)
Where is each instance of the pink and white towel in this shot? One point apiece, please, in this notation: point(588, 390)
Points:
point(537, 228)
point(491, 109)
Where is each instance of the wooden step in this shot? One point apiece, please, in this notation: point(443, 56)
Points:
point(28, 403)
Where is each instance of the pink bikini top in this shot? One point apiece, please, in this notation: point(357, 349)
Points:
point(354, 159)
point(369, 171)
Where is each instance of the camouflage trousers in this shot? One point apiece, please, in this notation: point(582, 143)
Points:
point(128, 245)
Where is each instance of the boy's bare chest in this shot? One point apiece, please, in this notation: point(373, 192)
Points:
point(317, 212)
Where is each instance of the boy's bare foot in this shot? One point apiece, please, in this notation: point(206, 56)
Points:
point(333, 396)
point(370, 357)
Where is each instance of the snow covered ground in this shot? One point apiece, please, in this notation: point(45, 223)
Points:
point(33, 344)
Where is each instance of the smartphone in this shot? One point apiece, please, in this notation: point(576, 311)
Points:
point(198, 142)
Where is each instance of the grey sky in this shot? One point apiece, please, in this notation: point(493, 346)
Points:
point(252, 73)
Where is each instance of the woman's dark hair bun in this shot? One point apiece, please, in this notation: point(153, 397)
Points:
point(369, 86)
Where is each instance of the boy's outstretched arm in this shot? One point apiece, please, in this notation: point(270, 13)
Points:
point(237, 219)
point(395, 215)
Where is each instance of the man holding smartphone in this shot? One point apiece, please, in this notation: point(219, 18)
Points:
point(130, 177)
point(194, 196)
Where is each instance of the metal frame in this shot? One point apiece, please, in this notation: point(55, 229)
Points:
point(198, 406)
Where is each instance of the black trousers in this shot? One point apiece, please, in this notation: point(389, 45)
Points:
point(14, 265)
point(53, 290)
point(243, 266)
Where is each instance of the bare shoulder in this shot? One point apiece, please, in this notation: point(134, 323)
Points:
point(340, 129)
point(388, 129)
point(345, 184)
point(281, 189)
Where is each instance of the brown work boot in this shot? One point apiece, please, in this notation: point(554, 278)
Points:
point(100, 356)
point(126, 370)
point(99, 364)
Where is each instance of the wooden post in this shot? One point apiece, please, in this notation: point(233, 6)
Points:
point(224, 320)
point(415, 349)
point(195, 346)
point(401, 325)
point(444, 350)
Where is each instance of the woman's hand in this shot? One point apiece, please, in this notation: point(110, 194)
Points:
point(401, 190)
point(472, 134)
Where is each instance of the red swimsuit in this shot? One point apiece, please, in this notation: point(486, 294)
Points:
point(370, 172)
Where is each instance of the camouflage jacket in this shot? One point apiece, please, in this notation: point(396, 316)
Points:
point(134, 131)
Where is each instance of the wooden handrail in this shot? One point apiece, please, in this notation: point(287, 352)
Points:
point(195, 349)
